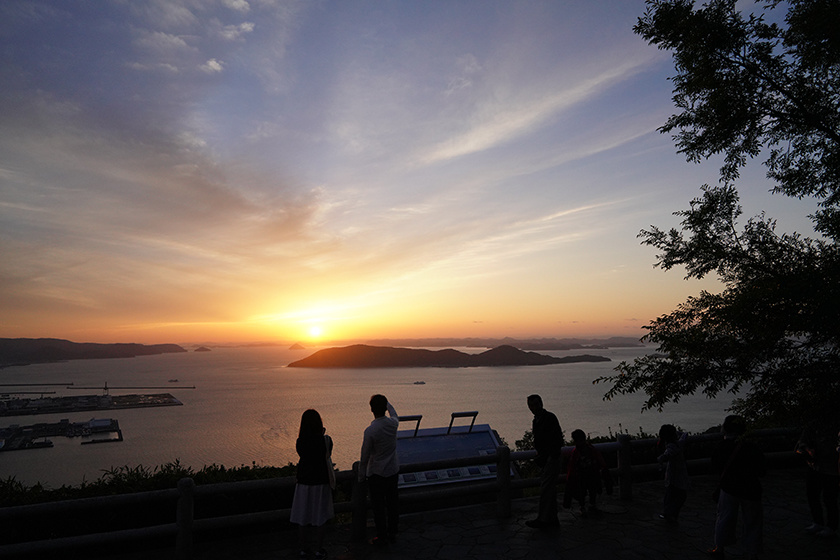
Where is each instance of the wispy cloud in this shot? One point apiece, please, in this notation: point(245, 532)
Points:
point(497, 123)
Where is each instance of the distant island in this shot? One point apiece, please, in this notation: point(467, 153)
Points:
point(521, 343)
point(24, 351)
point(364, 356)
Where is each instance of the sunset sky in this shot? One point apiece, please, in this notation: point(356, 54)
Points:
point(237, 170)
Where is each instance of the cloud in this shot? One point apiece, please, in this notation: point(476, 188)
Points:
point(234, 32)
point(237, 5)
point(100, 221)
point(495, 123)
point(468, 66)
point(212, 66)
point(160, 42)
point(166, 14)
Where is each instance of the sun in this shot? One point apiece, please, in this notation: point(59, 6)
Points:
point(315, 331)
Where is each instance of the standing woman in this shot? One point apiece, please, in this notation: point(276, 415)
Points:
point(312, 505)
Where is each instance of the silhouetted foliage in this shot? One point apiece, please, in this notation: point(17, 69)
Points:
point(127, 480)
point(764, 83)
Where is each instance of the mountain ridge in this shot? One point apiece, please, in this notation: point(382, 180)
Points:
point(367, 356)
point(25, 351)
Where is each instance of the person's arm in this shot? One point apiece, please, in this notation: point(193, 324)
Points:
point(392, 412)
point(363, 461)
point(599, 458)
point(671, 451)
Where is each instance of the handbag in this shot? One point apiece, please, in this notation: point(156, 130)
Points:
point(330, 465)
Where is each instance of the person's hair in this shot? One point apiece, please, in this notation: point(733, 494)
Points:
point(378, 405)
point(311, 424)
point(578, 436)
point(734, 425)
point(668, 433)
point(535, 399)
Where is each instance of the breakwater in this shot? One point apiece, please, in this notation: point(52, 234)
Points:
point(17, 437)
point(81, 403)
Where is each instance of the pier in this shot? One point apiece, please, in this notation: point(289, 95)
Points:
point(82, 403)
point(17, 438)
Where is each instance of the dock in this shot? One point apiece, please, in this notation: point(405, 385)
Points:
point(17, 437)
point(82, 403)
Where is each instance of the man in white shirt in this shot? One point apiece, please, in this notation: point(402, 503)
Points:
point(380, 466)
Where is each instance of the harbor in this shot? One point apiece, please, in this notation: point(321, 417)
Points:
point(81, 403)
point(35, 436)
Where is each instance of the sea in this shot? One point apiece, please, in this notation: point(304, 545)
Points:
point(246, 405)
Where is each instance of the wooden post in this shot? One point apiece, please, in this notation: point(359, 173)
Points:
point(625, 467)
point(184, 518)
point(358, 499)
point(503, 478)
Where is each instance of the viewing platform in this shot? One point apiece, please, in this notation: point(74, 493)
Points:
point(626, 530)
point(440, 519)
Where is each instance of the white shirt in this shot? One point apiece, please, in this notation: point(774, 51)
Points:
point(379, 448)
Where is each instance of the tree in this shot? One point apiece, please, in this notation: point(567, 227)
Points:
point(748, 87)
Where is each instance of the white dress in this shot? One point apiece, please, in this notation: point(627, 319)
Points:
point(312, 503)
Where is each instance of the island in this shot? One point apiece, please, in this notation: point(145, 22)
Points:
point(541, 344)
point(24, 351)
point(365, 356)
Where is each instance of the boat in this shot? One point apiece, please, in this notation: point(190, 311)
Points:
point(419, 382)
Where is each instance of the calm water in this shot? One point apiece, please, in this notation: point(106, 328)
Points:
point(247, 405)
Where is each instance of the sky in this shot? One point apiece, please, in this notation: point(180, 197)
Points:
point(261, 170)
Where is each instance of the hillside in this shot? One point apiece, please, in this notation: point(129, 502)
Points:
point(22, 351)
point(521, 343)
point(364, 356)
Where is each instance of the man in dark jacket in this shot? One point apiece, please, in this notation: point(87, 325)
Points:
point(548, 441)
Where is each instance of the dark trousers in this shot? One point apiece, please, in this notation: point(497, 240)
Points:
point(820, 485)
point(548, 491)
point(384, 499)
point(674, 500)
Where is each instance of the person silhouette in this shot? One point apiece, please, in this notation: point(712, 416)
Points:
point(312, 504)
point(380, 467)
point(677, 481)
point(740, 464)
point(548, 442)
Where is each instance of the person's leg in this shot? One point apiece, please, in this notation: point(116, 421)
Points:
point(830, 492)
point(319, 535)
point(301, 538)
point(753, 514)
point(813, 488)
point(679, 502)
point(668, 502)
point(674, 500)
point(548, 492)
point(377, 499)
point(727, 518)
point(812, 492)
point(392, 504)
